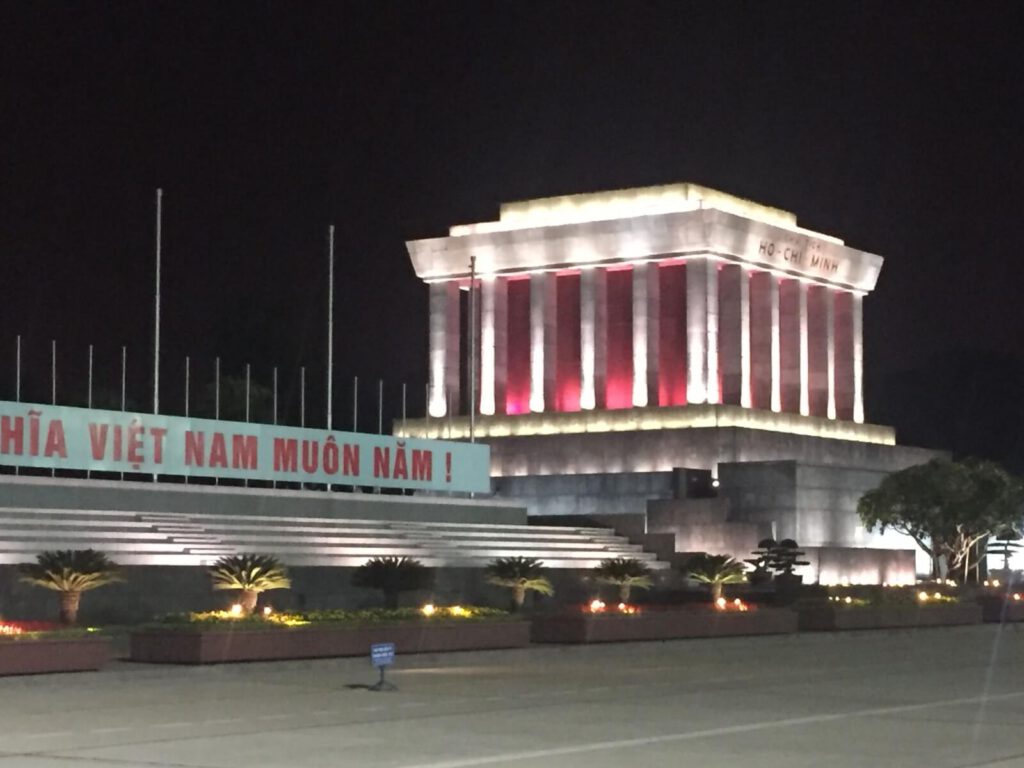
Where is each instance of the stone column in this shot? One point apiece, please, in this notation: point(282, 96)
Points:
point(776, 351)
point(493, 335)
point(593, 299)
point(645, 333)
point(830, 351)
point(542, 340)
point(858, 358)
point(702, 331)
point(805, 356)
point(444, 347)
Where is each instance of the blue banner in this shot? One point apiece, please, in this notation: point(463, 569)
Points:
point(60, 437)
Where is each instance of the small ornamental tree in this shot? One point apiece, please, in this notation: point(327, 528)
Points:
point(70, 573)
point(392, 576)
point(251, 574)
point(784, 558)
point(521, 575)
point(716, 571)
point(626, 573)
point(761, 562)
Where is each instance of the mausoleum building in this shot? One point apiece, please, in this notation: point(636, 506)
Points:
point(621, 340)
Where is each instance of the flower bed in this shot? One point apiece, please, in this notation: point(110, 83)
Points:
point(837, 616)
point(587, 627)
point(31, 648)
point(212, 638)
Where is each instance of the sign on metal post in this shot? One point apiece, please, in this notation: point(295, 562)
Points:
point(382, 656)
point(61, 437)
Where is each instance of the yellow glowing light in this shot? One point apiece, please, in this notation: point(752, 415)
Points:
point(937, 595)
point(720, 603)
point(458, 610)
point(236, 609)
point(995, 582)
point(596, 606)
point(428, 609)
point(1016, 595)
point(848, 600)
point(267, 610)
point(922, 596)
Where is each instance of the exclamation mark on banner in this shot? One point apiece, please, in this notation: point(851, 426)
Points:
point(448, 467)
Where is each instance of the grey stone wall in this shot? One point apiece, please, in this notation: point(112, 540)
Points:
point(65, 493)
point(814, 504)
point(656, 451)
point(586, 495)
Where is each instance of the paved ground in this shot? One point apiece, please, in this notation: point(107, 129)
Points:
point(946, 698)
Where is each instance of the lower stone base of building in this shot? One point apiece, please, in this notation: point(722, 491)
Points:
point(719, 490)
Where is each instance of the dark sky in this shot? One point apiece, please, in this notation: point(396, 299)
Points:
point(896, 126)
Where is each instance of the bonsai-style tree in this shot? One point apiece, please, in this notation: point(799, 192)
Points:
point(947, 507)
point(70, 573)
point(716, 571)
point(250, 574)
point(761, 561)
point(392, 576)
point(626, 573)
point(520, 574)
point(784, 558)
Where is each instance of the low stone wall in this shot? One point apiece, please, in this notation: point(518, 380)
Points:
point(73, 654)
point(828, 617)
point(216, 646)
point(998, 609)
point(660, 625)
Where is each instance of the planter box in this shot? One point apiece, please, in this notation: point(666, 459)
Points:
point(992, 609)
point(73, 654)
point(224, 645)
point(660, 625)
point(828, 617)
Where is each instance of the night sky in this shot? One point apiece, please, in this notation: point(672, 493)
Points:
point(896, 126)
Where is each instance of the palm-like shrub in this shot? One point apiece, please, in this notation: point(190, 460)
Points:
point(70, 572)
point(521, 575)
point(625, 573)
point(392, 576)
point(251, 574)
point(716, 571)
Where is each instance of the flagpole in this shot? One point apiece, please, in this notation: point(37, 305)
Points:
point(17, 380)
point(156, 305)
point(472, 349)
point(124, 383)
point(330, 332)
point(156, 310)
point(88, 397)
point(330, 326)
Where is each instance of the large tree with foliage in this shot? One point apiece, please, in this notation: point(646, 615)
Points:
point(949, 508)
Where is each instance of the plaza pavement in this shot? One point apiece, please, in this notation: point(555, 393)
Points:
point(941, 698)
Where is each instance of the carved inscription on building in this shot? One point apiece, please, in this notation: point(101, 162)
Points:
point(803, 258)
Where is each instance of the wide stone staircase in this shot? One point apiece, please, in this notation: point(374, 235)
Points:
point(158, 538)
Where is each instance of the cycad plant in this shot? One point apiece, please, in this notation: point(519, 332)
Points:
point(716, 571)
point(251, 574)
point(521, 575)
point(70, 573)
point(392, 576)
point(626, 573)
